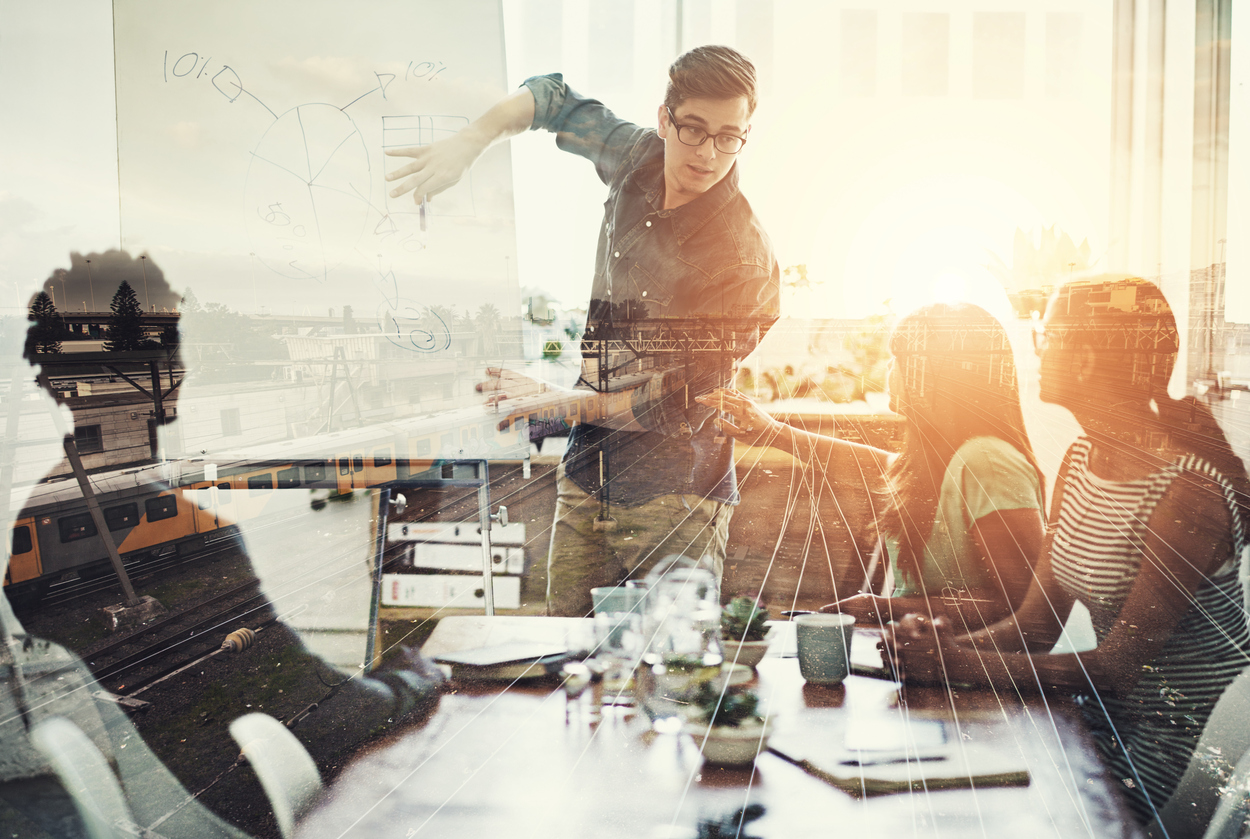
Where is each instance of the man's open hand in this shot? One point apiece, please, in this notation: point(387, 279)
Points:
point(434, 168)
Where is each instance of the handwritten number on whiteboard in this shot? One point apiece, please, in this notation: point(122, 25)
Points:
point(195, 59)
point(275, 216)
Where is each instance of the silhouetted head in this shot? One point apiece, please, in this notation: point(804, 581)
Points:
point(1106, 340)
point(952, 362)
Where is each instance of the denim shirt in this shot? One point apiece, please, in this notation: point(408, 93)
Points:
point(707, 264)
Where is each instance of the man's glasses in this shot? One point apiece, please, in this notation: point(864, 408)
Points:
point(693, 135)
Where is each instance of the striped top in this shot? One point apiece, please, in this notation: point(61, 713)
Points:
point(1147, 737)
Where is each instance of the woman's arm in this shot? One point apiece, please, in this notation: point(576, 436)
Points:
point(753, 425)
point(1188, 538)
point(1009, 542)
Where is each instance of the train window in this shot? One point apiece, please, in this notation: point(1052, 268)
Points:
point(358, 463)
point(533, 419)
point(345, 466)
point(259, 484)
point(503, 426)
point(423, 448)
point(314, 472)
point(76, 527)
point(288, 478)
point(223, 493)
point(381, 457)
point(21, 540)
point(447, 440)
point(161, 507)
point(204, 497)
point(119, 518)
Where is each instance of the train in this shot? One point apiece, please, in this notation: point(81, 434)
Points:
point(159, 508)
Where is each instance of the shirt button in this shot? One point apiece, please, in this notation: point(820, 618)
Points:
point(648, 224)
point(617, 254)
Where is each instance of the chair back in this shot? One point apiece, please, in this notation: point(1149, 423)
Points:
point(285, 770)
point(86, 776)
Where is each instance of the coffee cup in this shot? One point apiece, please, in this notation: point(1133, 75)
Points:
point(824, 647)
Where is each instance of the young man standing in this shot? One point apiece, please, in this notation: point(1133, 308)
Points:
point(684, 269)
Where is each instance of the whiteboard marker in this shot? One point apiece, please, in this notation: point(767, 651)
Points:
point(423, 213)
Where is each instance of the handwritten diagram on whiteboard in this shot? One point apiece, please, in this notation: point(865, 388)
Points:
point(252, 166)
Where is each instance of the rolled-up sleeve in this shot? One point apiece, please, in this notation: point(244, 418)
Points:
point(583, 126)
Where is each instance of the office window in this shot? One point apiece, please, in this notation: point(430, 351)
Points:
point(926, 54)
point(1063, 54)
point(859, 52)
point(612, 38)
point(88, 438)
point(998, 55)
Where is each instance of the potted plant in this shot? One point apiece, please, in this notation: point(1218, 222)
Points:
point(743, 631)
point(728, 727)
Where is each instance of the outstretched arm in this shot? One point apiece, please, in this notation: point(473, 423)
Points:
point(753, 425)
point(441, 165)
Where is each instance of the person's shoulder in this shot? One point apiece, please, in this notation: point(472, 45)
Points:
point(989, 448)
point(987, 457)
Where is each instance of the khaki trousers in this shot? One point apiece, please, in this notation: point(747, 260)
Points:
point(582, 558)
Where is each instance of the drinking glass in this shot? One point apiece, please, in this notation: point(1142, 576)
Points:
point(618, 646)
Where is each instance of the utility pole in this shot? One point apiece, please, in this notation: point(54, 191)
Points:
point(91, 285)
point(143, 261)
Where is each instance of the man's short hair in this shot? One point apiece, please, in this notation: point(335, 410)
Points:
point(711, 72)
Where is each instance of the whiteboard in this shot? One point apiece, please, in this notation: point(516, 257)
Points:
point(251, 169)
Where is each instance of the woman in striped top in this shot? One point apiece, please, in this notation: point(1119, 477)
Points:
point(1148, 524)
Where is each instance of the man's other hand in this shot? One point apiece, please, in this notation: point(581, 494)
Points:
point(504, 384)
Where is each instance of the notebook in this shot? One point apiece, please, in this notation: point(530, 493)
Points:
point(895, 752)
point(506, 662)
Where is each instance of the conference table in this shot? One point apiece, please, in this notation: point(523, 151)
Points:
point(510, 759)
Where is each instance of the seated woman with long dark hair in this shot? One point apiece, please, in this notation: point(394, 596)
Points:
point(962, 504)
point(1149, 513)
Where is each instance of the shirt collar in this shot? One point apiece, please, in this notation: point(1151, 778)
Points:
point(690, 217)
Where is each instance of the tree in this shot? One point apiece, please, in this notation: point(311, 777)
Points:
point(45, 335)
point(125, 330)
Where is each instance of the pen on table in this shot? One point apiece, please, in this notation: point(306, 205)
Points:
point(882, 761)
point(423, 200)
